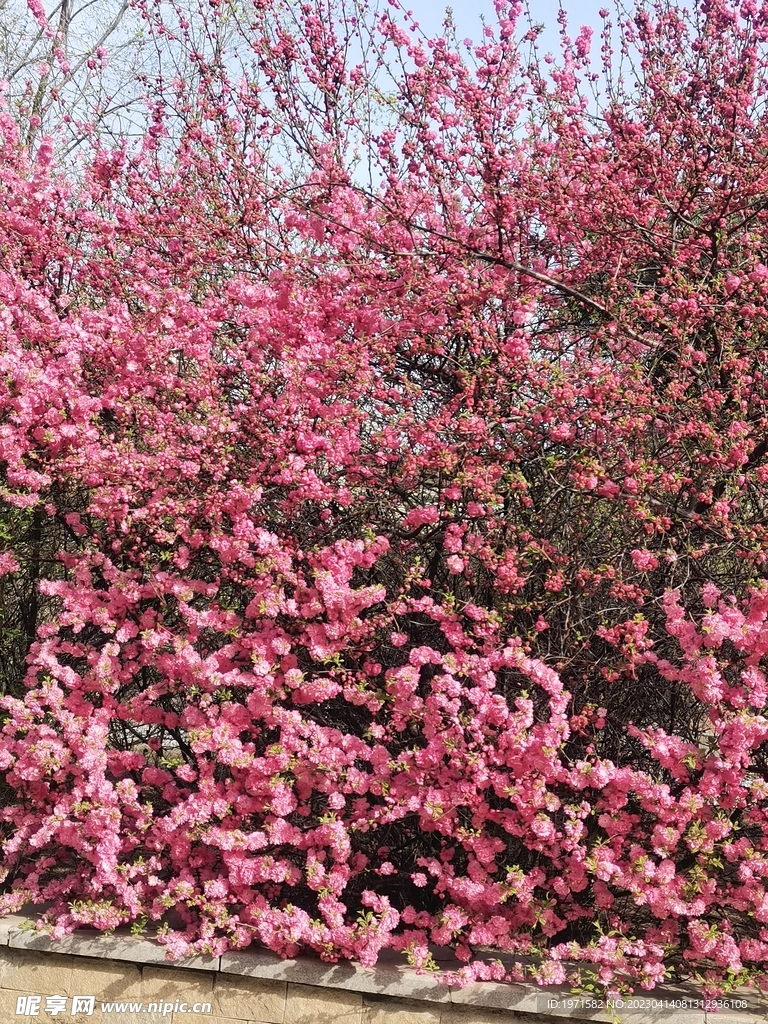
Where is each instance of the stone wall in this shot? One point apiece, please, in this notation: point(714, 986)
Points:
point(123, 977)
point(210, 997)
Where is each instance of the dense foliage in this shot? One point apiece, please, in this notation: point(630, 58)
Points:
point(383, 507)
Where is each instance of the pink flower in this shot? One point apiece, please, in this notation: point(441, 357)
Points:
point(38, 12)
point(422, 516)
point(644, 560)
point(583, 41)
point(8, 563)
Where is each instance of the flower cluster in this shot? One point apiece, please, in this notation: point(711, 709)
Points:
point(382, 568)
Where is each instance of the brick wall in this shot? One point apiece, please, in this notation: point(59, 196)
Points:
point(233, 999)
point(254, 986)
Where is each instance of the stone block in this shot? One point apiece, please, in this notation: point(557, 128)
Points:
point(35, 973)
point(387, 977)
point(112, 1017)
point(119, 946)
point(250, 998)
point(192, 1018)
point(382, 1010)
point(306, 1004)
point(109, 981)
point(171, 983)
point(477, 1015)
point(500, 996)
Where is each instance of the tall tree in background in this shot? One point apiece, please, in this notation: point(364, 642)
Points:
point(385, 443)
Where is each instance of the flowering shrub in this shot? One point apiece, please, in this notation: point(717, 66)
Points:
point(383, 564)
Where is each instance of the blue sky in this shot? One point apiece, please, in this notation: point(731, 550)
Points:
point(466, 14)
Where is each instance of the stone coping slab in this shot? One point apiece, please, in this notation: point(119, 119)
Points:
point(120, 945)
point(668, 1004)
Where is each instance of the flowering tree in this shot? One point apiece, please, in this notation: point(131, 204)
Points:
point(383, 531)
